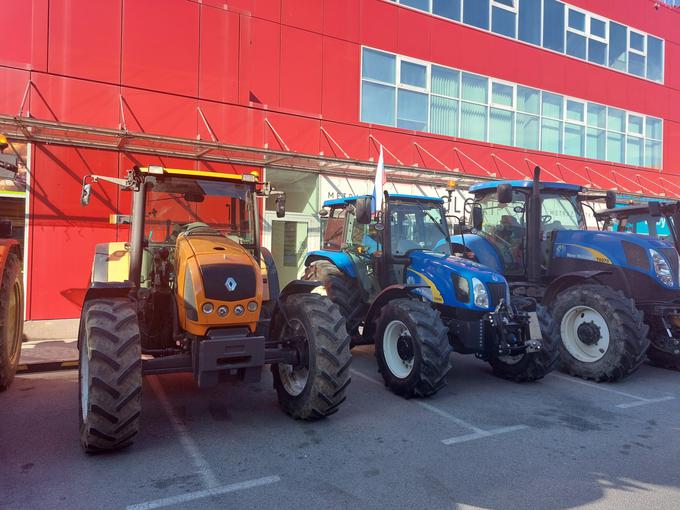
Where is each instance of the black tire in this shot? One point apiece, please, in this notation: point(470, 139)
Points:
point(534, 365)
point(427, 346)
point(326, 348)
point(343, 291)
point(628, 340)
point(111, 373)
point(11, 319)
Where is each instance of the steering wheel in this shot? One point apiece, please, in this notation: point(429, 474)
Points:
point(545, 219)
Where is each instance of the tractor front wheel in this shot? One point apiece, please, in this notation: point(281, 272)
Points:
point(110, 374)
point(315, 386)
point(412, 347)
point(533, 365)
point(11, 319)
point(603, 336)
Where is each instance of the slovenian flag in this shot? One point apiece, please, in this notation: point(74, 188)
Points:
point(379, 183)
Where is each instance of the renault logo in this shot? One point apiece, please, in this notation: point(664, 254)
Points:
point(230, 284)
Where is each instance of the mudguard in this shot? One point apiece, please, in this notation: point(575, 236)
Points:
point(386, 295)
point(340, 259)
point(566, 280)
point(8, 246)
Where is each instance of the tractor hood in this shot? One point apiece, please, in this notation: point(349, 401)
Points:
point(229, 272)
point(454, 281)
point(637, 252)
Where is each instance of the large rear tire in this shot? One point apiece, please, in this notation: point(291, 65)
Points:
point(603, 335)
point(343, 291)
point(110, 374)
point(316, 386)
point(11, 319)
point(412, 347)
point(534, 365)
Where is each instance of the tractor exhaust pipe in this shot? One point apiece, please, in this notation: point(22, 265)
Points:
point(137, 234)
point(534, 230)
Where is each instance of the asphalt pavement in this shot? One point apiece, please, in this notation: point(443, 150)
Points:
point(481, 442)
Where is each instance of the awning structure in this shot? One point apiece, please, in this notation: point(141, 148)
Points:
point(52, 132)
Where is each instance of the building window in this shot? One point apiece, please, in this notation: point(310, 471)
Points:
point(559, 27)
point(476, 13)
point(530, 12)
point(504, 17)
point(416, 95)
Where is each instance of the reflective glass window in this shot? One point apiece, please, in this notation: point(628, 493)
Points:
point(615, 147)
point(596, 144)
point(530, 21)
point(476, 13)
point(551, 135)
point(377, 103)
point(475, 88)
point(447, 8)
point(503, 22)
point(552, 105)
point(412, 110)
point(553, 25)
point(527, 127)
point(597, 115)
point(654, 58)
point(379, 66)
point(634, 150)
point(501, 125)
point(528, 100)
point(574, 139)
point(445, 81)
point(444, 116)
point(473, 121)
point(413, 74)
point(618, 46)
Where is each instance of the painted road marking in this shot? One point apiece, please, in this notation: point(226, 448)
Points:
point(206, 493)
point(477, 433)
point(639, 401)
point(202, 466)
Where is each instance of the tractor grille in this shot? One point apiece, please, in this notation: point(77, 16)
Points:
point(498, 291)
point(636, 255)
point(216, 281)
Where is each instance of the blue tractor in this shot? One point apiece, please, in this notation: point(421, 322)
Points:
point(397, 284)
point(610, 293)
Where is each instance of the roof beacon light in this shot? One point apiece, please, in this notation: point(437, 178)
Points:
point(155, 170)
point(249, 178)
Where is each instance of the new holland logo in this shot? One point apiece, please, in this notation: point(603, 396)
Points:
point(230, 284)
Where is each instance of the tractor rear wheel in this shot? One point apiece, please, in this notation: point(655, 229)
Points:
point(11, 319)
point(603, 336)
point(343, 291)
point(534, 365)
point(412, 347)
point(314, 387)
point(110, 374)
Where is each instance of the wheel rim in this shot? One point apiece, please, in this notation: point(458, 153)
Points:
point(398, 349)
point(585, 334)
point(84, 379)
point(13, 325)
point(294, 379)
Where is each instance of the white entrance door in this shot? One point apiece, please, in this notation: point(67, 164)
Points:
point(289, 239)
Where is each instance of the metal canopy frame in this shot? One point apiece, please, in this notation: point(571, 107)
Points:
point(37, 131)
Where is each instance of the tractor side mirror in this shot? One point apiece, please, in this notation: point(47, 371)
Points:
point(610, 199)
point(280, 205)
point(654, 209)
point(5, 229)
point(363, 210)
point(478, 216)
point(85, 195)
point(504, 193)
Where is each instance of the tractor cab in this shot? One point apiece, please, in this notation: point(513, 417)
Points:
point(655, 219)
point(535, 234)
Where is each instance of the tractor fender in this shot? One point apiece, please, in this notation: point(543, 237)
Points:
point(278, 314)
point(610, 278)
point(386, 295)
point(340, 259)
point(272, 274)
point(8, 246)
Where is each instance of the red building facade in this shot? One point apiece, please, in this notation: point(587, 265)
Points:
point(286, 75)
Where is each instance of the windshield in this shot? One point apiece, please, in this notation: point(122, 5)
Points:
point(176, 204)
point(417, 225)
point(641, 224)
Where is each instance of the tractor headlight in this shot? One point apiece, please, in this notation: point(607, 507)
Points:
point(222, 311)
point(252, 306)
point(207, 308)
point(238, 310)
point(481, 297)
point(661, 268)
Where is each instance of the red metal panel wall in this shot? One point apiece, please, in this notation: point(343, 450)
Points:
point(295, 63)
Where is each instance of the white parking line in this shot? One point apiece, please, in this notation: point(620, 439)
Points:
point(215, 491)
point(202, 466)
point(639, 401)
point(477, 433)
